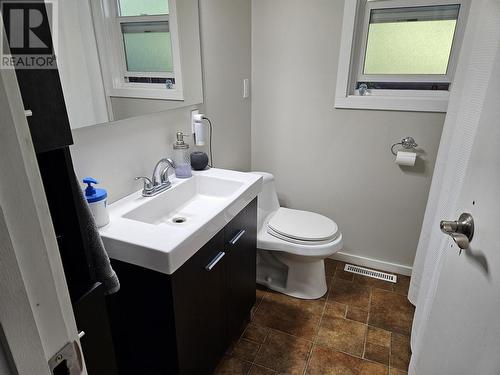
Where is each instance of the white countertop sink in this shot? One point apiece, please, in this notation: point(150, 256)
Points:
point(164, 231)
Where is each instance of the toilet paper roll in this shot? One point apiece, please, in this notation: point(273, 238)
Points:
point(406, 158)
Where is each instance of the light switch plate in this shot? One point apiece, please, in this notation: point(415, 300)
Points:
point(194, 112)
point(246, 88)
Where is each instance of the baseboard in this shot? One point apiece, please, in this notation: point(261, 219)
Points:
point(372, 263)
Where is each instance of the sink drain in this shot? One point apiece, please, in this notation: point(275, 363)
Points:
point(178, 220)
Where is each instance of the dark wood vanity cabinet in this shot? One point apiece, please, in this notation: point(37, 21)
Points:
point(241, 241)
point(200, 312)
point(184, 322)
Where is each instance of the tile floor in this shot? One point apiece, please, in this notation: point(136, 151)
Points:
point(360, 327)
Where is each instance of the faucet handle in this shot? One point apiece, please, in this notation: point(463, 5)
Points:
point(148, 184)
point(164, 172)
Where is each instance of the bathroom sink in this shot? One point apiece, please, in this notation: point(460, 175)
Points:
point(185, 202)
point(164, 231)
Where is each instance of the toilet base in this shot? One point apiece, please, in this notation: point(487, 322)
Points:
point(294, 275)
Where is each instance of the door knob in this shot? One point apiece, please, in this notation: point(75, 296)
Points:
point(461, 230)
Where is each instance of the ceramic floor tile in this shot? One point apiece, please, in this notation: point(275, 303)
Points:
point(284, 353)
point(232, 366)
point(378, 336)
point(260, 292)
point(374, 283)
point(341, 274)
point(391, 311)
point(357, 314)
point(291, 315)
point(255, 333)
point(279, 338)
point(330, 266)
point(331, 362)
point(342, 334)
point(377, 353)
point(350, 293)
point(335, 309)
point(245, 350)
point(259, 370)
point(402, 285)
point(400, 351)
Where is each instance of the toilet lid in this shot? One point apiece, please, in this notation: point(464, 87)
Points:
point(303, 225)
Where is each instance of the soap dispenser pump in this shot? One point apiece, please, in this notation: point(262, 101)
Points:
point(182, 163)
point(97, 200)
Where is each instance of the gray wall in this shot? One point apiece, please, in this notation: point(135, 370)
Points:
point(116, 152)
point(226, 61)
point(6, 365)
point(335, 162)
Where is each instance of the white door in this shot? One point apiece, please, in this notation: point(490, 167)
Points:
point(462, 336)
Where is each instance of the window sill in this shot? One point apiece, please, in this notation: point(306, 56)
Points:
point(394, 103)
point(145, 93)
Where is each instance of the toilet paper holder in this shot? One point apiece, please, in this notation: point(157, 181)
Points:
point(407, 143)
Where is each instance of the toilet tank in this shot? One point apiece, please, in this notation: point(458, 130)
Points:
point(267, 199)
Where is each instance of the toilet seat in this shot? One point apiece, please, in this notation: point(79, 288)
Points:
point(302, 227)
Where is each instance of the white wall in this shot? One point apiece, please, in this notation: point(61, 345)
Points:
point(226, 61)
point(336, 162)
point(116, 152)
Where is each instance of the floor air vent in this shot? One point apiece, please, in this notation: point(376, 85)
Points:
point(370, 273)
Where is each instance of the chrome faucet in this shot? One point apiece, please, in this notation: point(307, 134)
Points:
point(159, 181)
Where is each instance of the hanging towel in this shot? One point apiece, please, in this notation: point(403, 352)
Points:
point(99, 259)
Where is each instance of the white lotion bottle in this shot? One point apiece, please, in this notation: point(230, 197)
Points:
point(98, 201)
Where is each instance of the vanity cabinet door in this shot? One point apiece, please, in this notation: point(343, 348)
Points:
point(92, 322)
point(199, 305)
point(241, 243)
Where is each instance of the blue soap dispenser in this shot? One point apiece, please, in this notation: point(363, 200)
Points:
point(97, 200)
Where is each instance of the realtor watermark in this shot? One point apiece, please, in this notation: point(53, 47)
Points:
point(31, 34)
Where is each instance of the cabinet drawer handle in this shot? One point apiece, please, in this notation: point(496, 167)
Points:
point(236, 238)
point(214, 261)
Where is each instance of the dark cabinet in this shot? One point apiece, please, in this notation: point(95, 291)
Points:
point(61, 189)
point(200, 308)
point(183, 323)
point(92, 320)
point(41, 89)
point(42, 94)
point(240, 238)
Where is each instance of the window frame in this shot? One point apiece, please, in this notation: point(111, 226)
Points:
point(107, 23)
point(352, 54)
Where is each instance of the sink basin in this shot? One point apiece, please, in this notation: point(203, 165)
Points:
point(188, 200)
point(164, 231)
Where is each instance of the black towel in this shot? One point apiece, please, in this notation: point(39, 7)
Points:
point(99, 259)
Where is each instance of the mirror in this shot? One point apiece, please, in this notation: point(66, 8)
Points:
point(124, 58)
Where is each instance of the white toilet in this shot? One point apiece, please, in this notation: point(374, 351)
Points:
point(292, 246)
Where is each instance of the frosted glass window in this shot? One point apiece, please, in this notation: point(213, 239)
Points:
point(148, 46)
point(143, 7)
point(416, 40)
